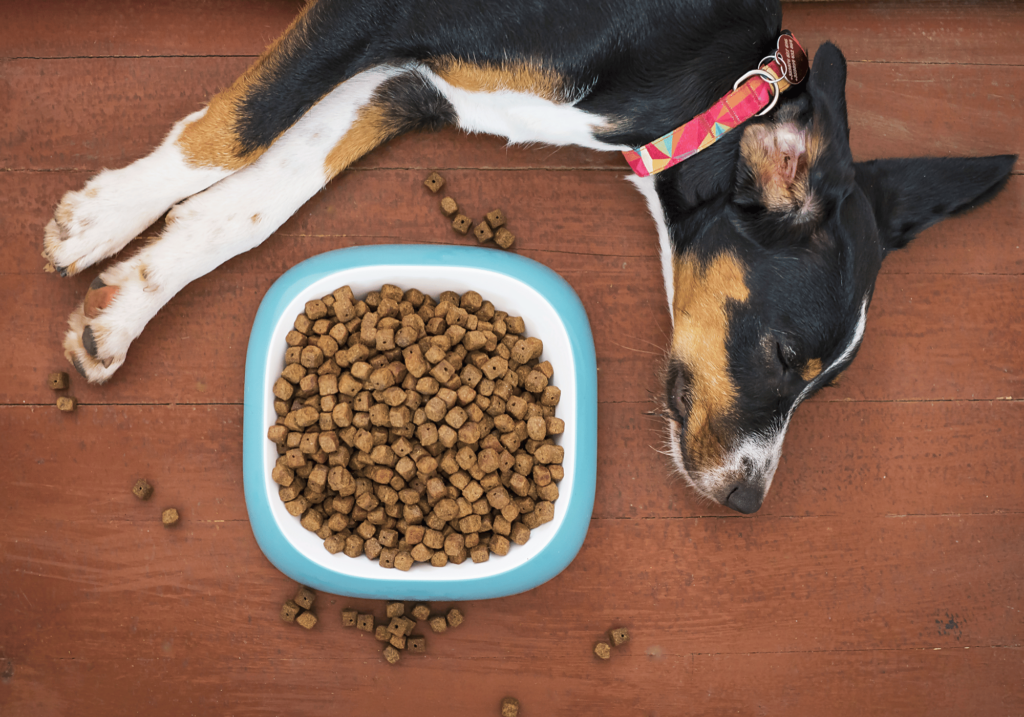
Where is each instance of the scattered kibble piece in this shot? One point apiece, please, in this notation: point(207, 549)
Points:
point(307, 620)
point(382, 634)
point(365, 623)
point(434, 182)
point(391, 654)
point(618, 636)
point(396, 609)
point(438, 623)
point(603, 650)
point(57, 381)
point(482, 232)
point(510, 707)
point(169, 516)
point(142, 489)
point(67, 403)
point(421, 612)
point(449, 206)
point(289, 611)
point(462, 223)
point(455, 617)
point(305, 597)
point(504, 238)
point(496, 219)
point(416, 644)
point(349, 617)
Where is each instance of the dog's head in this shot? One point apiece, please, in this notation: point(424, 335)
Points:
point(775, 248)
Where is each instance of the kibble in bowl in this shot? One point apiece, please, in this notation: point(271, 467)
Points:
point(550, 312)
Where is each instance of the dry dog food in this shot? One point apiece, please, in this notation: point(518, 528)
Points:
point(482, 232)
point(304, 598)
point(510, 707)
point(414, 429)
point(504, 238)
point(603, 650)
point(349, 617)
point(434, 182)
point(57, 381)
point(306, 619)
point(67, 403)
point(449, 206)
point(169, 516)
point(462, 223)
point(496, 219)
point(289, 611)
point(391, 654)
point(618, 636)
point(142, 489)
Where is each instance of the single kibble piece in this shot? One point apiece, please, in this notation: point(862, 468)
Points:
point(392, 655)
point(618, 636)
point(307, 620)
point(496, 219)
point(416, 644)
point(349, 617)
point(142, 489)
point(365, 623)
point(421, 612)
point(382, 634)
point(434, 182)
point(169, 516)
point(455, 617)
point(510, 707)
point(395, 609)
point(57, 381)
point(67, 404)
point(449, 206)
point(438, 623)
point(603, 650)
point(504, 238)
point(482, 232)
point(305, 598)
point(462, 223)
point(289, 611)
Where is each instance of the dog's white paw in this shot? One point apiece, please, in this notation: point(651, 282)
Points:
point(104, 325)
point(94, 223)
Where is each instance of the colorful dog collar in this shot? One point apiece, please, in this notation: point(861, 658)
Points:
point(756, 91)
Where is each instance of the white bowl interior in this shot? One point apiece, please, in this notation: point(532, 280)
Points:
point(507, 294)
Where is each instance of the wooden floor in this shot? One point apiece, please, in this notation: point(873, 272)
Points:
point(884, 574)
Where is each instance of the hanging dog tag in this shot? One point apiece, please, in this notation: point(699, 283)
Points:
point(794, 59)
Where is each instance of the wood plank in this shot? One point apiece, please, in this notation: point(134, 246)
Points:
point(105, 590)
point(953, 683)
point(550, 212)
point(95, 28)
point(928, 338)
point(91, 113)
point(949, 682)
point(869, 459)
point(918, 32)
point(976, 33)
point(95, 113)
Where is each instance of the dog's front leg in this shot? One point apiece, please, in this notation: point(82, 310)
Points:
point(231, 217)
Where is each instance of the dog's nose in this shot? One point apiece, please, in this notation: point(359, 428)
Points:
point(745, 499)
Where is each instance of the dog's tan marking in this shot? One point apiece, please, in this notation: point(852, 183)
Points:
point(212, 140)
point(517, 76)
point(699, 341)
point(811, 370)
point(370, 129)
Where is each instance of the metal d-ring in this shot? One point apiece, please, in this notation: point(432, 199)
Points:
point(767, 77)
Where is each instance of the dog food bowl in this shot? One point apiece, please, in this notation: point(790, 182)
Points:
point(552, 312)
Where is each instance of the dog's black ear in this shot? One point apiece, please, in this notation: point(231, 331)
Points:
point(909, 195)
point(827, 87)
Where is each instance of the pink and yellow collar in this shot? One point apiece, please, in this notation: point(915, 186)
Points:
point(755, 91)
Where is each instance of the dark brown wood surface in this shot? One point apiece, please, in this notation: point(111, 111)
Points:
point(884, 574)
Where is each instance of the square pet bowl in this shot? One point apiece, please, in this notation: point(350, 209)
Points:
point(552, 312)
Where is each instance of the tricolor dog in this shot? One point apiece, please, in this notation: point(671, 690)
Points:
point(771, 236)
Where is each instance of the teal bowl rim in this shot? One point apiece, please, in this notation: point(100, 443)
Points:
point(561, 548)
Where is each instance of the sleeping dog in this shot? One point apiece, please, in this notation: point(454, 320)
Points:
point(771, 237)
